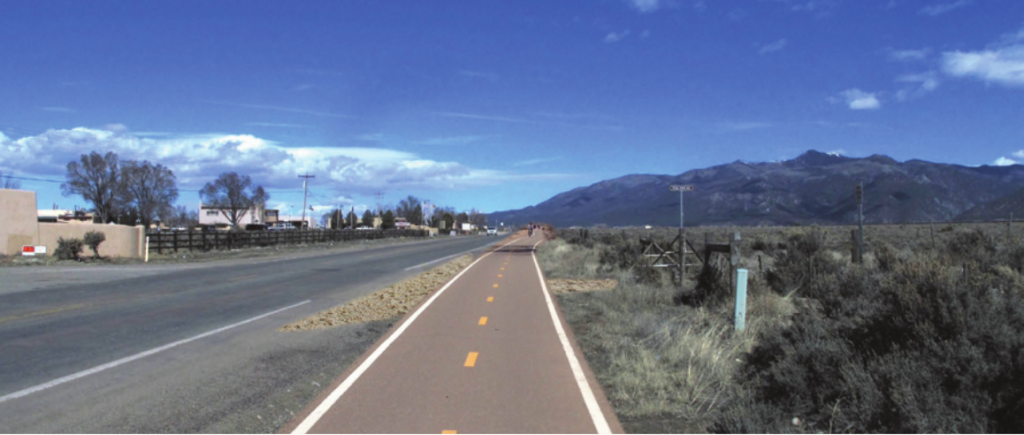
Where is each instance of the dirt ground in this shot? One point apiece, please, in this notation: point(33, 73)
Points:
point(581, 285)
point(387, 303)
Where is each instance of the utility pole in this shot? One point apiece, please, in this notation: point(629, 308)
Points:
point(379, 195)
point(682, 240)
point(860, 223)
point(305, 177)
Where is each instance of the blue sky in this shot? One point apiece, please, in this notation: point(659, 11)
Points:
point(498, 105)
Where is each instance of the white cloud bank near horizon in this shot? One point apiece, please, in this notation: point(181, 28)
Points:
point(199, 159)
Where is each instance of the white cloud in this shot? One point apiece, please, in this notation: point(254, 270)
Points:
point(532, 162)
point(273, 124)
point(481, 117)
point(371, 137)
point(741, 126)
point(283, 109)
point(198, 159)
point(908, 55)
point(1003, 161)
point(57, 109)
point(1003, 63)
point(616, 37)
point(926, 82)
point(452, 140)
point(645, 6)
point(478, 74)
point(941, 8)
point(773, 47)
point(857, 99)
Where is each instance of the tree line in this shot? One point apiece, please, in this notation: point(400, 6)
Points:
point(143, 192)
point(411, 209)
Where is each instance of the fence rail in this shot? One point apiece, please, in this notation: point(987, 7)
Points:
point(173, 241)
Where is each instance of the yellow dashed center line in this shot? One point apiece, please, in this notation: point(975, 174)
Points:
point(450, 431)
point(483, 321)
point(490, 299)
point(499, 275)
point(503, 269)
point(495, 286)
point(471, 359)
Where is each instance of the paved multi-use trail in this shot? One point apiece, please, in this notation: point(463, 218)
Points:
point(486, 353)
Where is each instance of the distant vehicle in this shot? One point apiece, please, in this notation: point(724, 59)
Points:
point(491, 231)
point(281, 226)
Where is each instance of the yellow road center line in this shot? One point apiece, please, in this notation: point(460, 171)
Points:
point(450, 431)
point(503, 269)
point(483, 321)
point(490, 299)
point(471, 359)
point(495, 286)
point(499, 275)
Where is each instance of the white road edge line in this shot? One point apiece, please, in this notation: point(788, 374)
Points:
point(331, 399)
point(125, 360)
point(600, 423)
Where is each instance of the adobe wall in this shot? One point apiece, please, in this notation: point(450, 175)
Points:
point(122, 241)
point(18, 221)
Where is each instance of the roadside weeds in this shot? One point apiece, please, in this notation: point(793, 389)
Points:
point(387, 303)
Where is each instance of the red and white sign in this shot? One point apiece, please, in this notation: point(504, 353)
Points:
point(29, 250)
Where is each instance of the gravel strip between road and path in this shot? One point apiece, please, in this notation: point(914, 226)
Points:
point(387, 303)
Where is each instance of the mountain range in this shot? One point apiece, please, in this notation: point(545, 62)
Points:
point(815, 187)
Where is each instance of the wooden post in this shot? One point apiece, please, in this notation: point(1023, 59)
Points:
point(175, 235)
point(740, 317)
point(854, 255)
point(860, 224)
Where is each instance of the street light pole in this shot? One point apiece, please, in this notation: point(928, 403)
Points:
point(305, 178)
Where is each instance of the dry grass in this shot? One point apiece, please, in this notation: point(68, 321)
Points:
point(387, 303)
point(558, 286)
point(665, 368)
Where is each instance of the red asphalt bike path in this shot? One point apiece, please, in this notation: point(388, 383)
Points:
point(483, 354)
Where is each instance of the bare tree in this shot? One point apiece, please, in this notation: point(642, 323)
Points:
point(233, 195)
point(179, 217)
point(405, 206)
point(477, 218)
point(96, 178)
point(6, 182)
point(147, 188)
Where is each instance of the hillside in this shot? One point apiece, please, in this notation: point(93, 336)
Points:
point(999, 209)
point(812, 188)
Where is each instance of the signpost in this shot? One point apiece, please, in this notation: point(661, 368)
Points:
point(682, 240)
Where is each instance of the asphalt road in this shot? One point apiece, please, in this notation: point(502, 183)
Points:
point(246, 378)
point(488, 353)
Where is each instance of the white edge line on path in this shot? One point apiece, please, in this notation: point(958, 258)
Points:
point(331, 399)
point(116, 363)
point(600, 423)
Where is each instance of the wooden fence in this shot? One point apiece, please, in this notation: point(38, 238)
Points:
point(173, 241)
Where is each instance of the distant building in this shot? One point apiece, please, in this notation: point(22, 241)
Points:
point(402, 223)
point(64, 216)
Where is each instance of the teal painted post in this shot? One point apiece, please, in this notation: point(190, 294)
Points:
point(741, 299)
